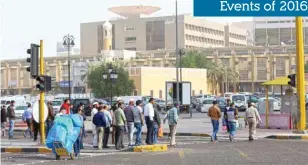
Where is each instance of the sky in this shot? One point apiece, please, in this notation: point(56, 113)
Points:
point(23, 22)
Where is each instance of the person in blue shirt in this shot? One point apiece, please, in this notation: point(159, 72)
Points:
point(78, 141)
point(27, 117)
point(232, 116)
point(99, 120)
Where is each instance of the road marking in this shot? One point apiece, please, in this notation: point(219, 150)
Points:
point(181, 154)
point(242, 154)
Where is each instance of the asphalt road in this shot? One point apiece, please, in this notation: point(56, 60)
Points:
point(261, 152)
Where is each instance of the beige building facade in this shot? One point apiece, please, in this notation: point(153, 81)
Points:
point(255, 65)
point(154, 33)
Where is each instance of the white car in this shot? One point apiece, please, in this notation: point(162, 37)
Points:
point(277, 104)
point(240, 101)
point(205, 105)
point(19, 111)
point(56, 104)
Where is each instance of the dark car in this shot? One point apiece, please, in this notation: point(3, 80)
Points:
point(221, 103)
point(87, 105)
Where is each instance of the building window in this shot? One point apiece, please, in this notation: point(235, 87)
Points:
point(200, 92)
point(127, 28)
point(135, 92)
point(131, 48)
point(160, 94)
point(151, 93)
point(130, 39)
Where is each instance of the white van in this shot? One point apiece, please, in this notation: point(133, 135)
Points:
point(240, 101)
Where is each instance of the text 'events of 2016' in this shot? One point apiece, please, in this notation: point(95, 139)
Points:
point(250, 8)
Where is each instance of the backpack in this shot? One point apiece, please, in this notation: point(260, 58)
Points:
point(99, 116)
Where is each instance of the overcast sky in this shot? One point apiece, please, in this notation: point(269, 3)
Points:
point(27, 21)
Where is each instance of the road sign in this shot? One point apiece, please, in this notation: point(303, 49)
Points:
point(35, 111)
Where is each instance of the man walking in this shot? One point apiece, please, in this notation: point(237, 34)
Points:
point(214, 113)
point(99, 121)
point(93, 112)
point(149, 119)
point(172, 117)
point(138, 121)
point(156, 126)
point(225, 114)
point(51, 117)
point(108, 124)
point(3, 120)
point(251, 118)
point(119, 122)
point(27, 117)
point(129, 114)
point(11, 116)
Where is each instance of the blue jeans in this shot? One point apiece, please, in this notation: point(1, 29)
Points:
point(215, 124)
point(232, 128)
point(138, 127)
point(77, 146)
point(49, 125)
point(155, 133)
point(11, 128)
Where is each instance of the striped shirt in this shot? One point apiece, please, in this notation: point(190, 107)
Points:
point(172, 116)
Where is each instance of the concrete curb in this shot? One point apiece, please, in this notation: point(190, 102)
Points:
point(25, 149)
point(287, 137)
point(150, 148)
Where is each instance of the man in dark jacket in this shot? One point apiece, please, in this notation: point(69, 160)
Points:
point(51, 117)
point(129, 114)
point(157, 123)
point(99, 121)
point(11, 116)
point(3, 119)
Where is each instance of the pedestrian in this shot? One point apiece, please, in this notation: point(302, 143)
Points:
point(81, 106)
point(66, 105)
point(11, 116)
point(156, 125)
point(78, 140)
point(129, 115)
point(3, 120)
point(61, 112)
point(172, 117)
point(225, 114)
point(251, 118)
point(138, 122)
point(72, 110)
point(108, 125)
point(36, 129)
point(50, 118)
point(27, 118)
point(119, 122)
point(232, 116)
point(215, 114)
point(99, 121)
point(149, 119)
point(93, 112)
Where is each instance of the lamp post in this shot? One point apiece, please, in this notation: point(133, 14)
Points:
point(111, 76)
point(68, 41)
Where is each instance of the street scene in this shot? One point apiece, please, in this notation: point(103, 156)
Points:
point(151, 82)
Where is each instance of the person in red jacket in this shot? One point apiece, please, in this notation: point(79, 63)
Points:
point(66, 105)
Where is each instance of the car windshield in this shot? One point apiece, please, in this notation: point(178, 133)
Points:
point(238, 97)
point(221, 102)
point(3, 101)
point(84, 101)
point(199, 96)
point(56, 103)
point(208, 102)
point(227, 94)
point(21, 108)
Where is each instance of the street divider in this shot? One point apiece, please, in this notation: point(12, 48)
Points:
point(150, 148)
point(288, 137)
point(21, 149)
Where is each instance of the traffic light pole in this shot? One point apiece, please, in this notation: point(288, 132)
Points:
point(300, 73)
point(41, 107)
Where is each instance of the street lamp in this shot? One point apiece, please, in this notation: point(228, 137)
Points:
point(68, 41)
point(111, 75)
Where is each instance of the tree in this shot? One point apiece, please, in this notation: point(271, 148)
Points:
point(102, 88)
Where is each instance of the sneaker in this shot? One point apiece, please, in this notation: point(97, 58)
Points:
point(25, 135)
point(212, 140)
point(230, 138)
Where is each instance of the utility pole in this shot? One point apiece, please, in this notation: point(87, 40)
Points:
point(177, 51)
point(300, 73)
point(42, 97)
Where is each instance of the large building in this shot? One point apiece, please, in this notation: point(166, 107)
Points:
point(277, 30)
point(133, 32)
point(255, 65)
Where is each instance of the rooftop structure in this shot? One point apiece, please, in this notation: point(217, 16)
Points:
point(134, 11)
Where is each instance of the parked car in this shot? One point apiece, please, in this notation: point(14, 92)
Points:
point(194, 102)
point(205, 105)
point(161, 104)
point(252, 98)
point(19, 110)
point(56, 104)
point(221, 103)
point(277, 104)
point(87, 105)
point(228, 95)
point(240, 101)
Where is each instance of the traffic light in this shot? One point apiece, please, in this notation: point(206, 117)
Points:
point(33, 60)
point(292, 81)
point(44, 83)
point(47, 83)
point(41, 83)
